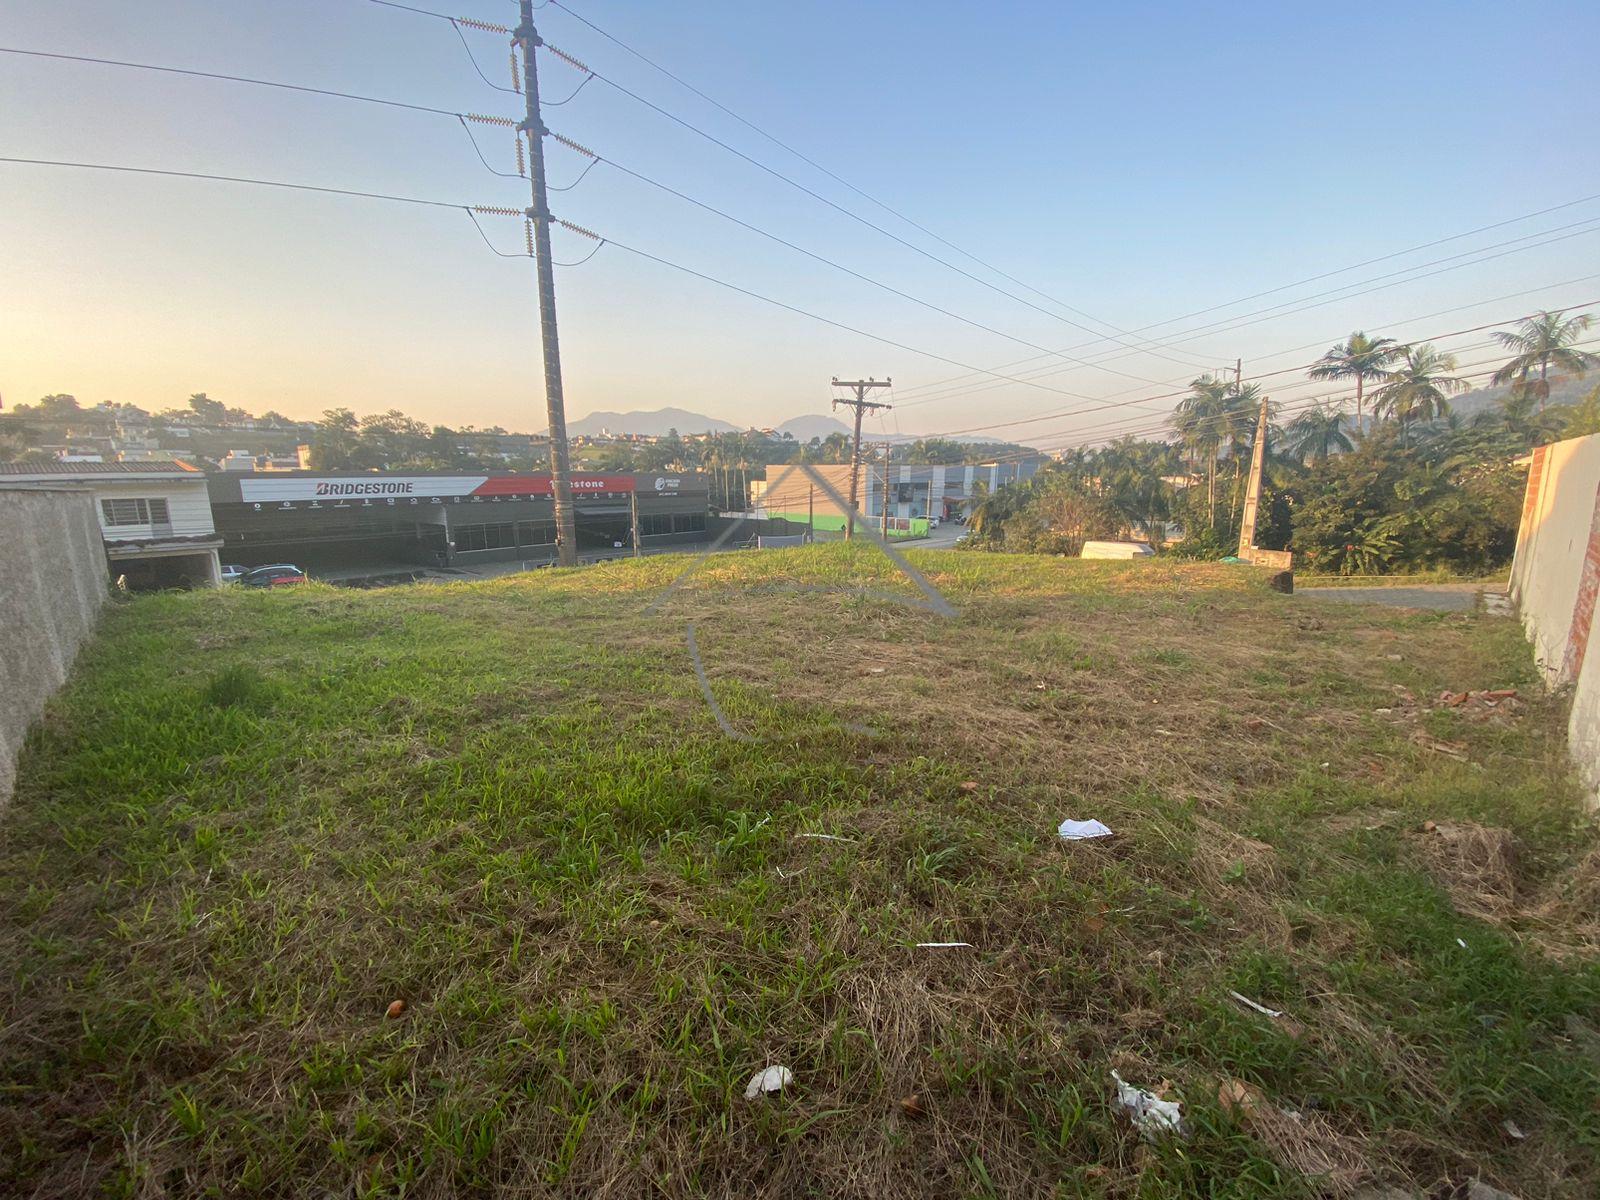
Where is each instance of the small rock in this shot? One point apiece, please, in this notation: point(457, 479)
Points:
point(1479, 1190)
point(912, 1106)
point(396, 1007)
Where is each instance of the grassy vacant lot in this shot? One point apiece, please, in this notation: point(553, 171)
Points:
point(254, 821)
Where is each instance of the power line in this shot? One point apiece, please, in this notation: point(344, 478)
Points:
point(841, 180)
point(1324, 275)
point(1402, 321)
point(288, 87)
point(838, 266)
point(1246, 379)
point(462, 119)
point(665, 262)
point(794, 183)
point(1297, 405)
point(1317, 300)
point(470, 209)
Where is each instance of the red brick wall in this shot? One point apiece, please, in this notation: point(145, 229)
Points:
point(1583, 609)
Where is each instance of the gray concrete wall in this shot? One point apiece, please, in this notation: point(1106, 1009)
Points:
point(53, 580)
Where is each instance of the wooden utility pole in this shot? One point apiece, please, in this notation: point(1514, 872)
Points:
point(860, 403)
point(633, 512)
point(527, 37)
point(811, 514)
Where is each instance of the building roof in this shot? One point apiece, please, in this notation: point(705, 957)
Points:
point(72, 469)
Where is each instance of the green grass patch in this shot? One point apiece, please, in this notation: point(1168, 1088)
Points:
point(254, 821)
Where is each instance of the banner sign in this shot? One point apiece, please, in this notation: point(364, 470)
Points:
point(410, 489)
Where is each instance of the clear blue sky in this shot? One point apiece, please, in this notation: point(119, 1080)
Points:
point(1137, 161)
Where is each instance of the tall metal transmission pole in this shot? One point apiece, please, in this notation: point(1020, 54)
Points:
point(860, 403)
point(539, 214)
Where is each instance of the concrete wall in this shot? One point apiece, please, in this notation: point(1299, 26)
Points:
point(51, 590)
point(1555, 582)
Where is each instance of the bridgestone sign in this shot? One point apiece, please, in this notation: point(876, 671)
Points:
point(427, 487)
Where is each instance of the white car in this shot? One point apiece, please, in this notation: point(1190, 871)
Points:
point(232, 573)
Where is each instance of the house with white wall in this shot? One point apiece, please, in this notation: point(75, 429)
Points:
point(155, 517)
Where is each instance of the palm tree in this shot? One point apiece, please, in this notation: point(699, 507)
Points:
point(1540, 342)
point(1203, 421)
point(1317, 433)
point(1417, 388)
point(1360, 358)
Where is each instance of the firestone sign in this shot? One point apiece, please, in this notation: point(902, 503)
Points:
point(415, 489)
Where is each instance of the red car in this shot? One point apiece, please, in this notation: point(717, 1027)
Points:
point(278, 575)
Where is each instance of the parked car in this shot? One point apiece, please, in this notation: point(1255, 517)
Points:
point(277, 575)
point(233, 573)
point(933, 522)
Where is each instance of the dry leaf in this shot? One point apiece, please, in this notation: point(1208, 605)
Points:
point(1094, 924)
point(969, 785)
point(1238, 1098)
point(1253, 723)
point(912, 1106)
point(396, 1007)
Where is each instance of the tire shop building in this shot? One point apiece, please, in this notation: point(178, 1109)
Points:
point(340, 520)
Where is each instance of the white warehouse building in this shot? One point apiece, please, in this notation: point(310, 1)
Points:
point(155, 517)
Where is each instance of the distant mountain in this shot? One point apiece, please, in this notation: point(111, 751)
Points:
point(1563, 390)
point(653, 423)
point(803, 429)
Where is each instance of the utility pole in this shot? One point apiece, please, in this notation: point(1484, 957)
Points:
point(886, 491)
point(633, 512)
point(860, 403)
point(811, 515)
point(539, 215)
point(1252, 495)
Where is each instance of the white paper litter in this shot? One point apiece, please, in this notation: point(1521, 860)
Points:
point(1152, 1116)
point(942, 945)
point(824, 837)
point(767, 1081)
point(1072, 831)
point(1260, 1008)
point(1461, 942)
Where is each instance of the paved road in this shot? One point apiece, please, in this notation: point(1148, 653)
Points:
point(941, 538)
point(1444, 597)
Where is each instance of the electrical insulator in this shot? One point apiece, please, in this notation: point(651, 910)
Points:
point(572, 145)
point(579, 229)
point(522, 168)
point(567, 58)
point(527, 226)
point(516, 73)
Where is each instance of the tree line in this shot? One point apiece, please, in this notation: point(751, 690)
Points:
point(1401, 483)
